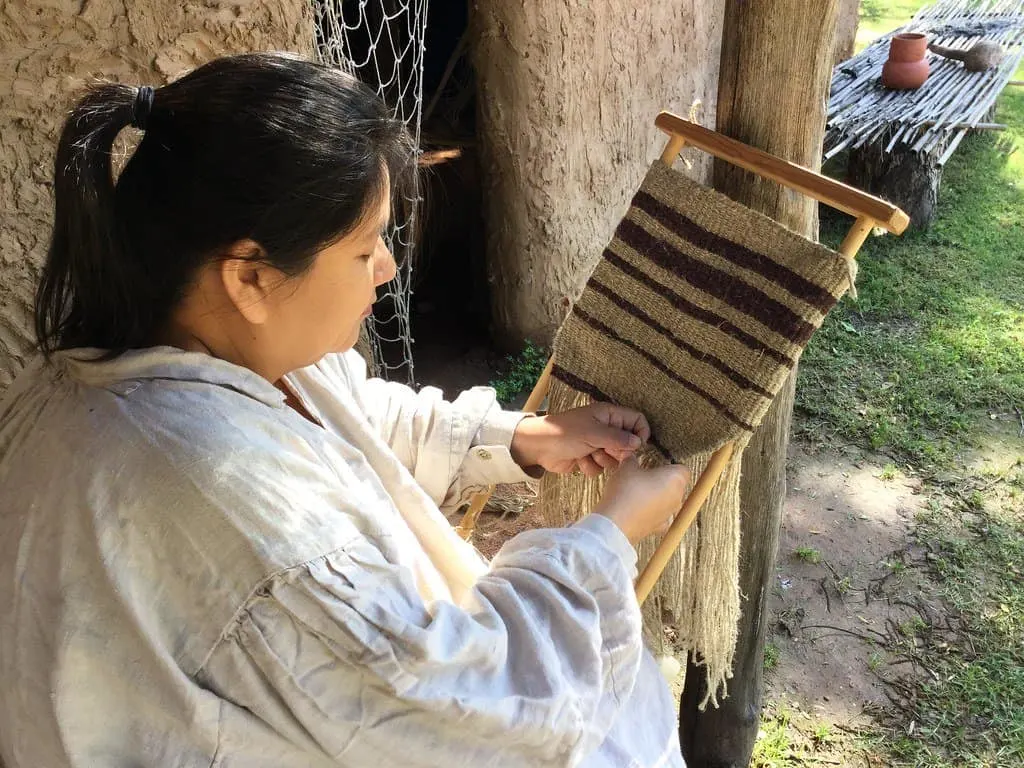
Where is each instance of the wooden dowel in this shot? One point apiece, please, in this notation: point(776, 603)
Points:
point(467, 525)
point(670, 543)
point(856, 236)
point(540, 389)
point(672, 149)
point(816, 185)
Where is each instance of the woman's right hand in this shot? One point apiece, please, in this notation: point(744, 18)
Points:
point(643, 501)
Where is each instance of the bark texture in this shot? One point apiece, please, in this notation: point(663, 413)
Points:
point(567, 95)
point(773, 87)
point(48, 52)
point(907, 179)
point(846, 30)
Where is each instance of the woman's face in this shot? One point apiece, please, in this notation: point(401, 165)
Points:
point(336, 294)
point(247, 312)
point(321, 310)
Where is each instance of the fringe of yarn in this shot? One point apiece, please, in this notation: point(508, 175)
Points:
point(698, 591)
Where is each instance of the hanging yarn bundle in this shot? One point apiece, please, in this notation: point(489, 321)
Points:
point(695, 315)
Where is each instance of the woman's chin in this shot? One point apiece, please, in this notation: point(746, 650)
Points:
point(347, 343)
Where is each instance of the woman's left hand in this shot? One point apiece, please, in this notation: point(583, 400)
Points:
point(592, 438)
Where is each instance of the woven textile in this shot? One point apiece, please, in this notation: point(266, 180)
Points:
point(696, 313)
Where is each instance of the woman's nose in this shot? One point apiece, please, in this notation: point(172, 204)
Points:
point(384, 267)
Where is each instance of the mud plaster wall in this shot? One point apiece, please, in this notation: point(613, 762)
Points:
point(568, 91)
point(49, 49)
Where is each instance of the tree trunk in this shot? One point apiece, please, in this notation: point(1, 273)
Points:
point(904, 178)
point(846, 30)
point(773, 87)
point(48, 53)
point(567, 96)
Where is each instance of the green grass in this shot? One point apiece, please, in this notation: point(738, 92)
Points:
point(808, 555)
point(970, 709)
point(934, 345)
point(937, 336)
point(521, 373)
point(889, 472)
point(791, 738)
point(774, 747)
point(877, 17)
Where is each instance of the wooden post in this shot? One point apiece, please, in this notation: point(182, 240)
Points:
point(565, 92)
point(775, 71)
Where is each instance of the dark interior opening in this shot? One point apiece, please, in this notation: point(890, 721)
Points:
point(450, 313)
point(450, 307)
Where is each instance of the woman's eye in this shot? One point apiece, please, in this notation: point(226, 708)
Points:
point(366, 256)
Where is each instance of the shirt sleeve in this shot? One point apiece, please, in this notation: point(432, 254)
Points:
point(341, 655)
point(425, 431)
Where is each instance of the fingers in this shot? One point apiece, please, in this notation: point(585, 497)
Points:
point(589, 467)
point(614, 439)
point(618, 417)
point(605, 460)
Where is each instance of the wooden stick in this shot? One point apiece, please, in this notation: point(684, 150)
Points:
point(816, 185)
point(540, 389)
point(856, 236)
point(691, 506)
point(974, 127)
point(672, 149)
point(467, 525)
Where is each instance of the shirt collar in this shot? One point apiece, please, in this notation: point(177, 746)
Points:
point(166, 363)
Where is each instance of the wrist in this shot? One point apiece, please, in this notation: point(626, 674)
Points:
point(525, 442)
point(621, 519)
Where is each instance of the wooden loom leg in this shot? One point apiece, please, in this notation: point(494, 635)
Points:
point(856, 236)
point(687, 514)
point(467, 525)
point(672, 149)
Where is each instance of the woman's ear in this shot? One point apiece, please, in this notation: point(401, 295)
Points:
point(248, 280)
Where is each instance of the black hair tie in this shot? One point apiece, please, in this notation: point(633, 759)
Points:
point(142, 107)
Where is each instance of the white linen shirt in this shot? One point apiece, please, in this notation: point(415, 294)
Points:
point(194, 575)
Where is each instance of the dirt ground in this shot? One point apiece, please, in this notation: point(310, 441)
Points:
point(842, 584)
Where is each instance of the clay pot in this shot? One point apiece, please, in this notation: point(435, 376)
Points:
point(910, 46)
point(907, 67)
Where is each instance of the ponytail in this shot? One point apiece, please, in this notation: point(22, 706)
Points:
point(264, 147)
point(87, 281)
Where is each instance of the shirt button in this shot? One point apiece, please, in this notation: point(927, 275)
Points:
point(484, 454)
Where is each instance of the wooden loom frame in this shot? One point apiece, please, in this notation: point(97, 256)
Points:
point(869, 212)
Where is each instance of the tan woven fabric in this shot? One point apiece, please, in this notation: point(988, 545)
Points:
point(695, 315)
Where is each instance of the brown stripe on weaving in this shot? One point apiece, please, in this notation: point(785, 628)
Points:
point(792, 282)
point(686, 306)
point(580, 385)
point(610, 333)
point(730, 289)
point(707, 358)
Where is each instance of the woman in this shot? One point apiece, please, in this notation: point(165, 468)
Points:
point(221, 544)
